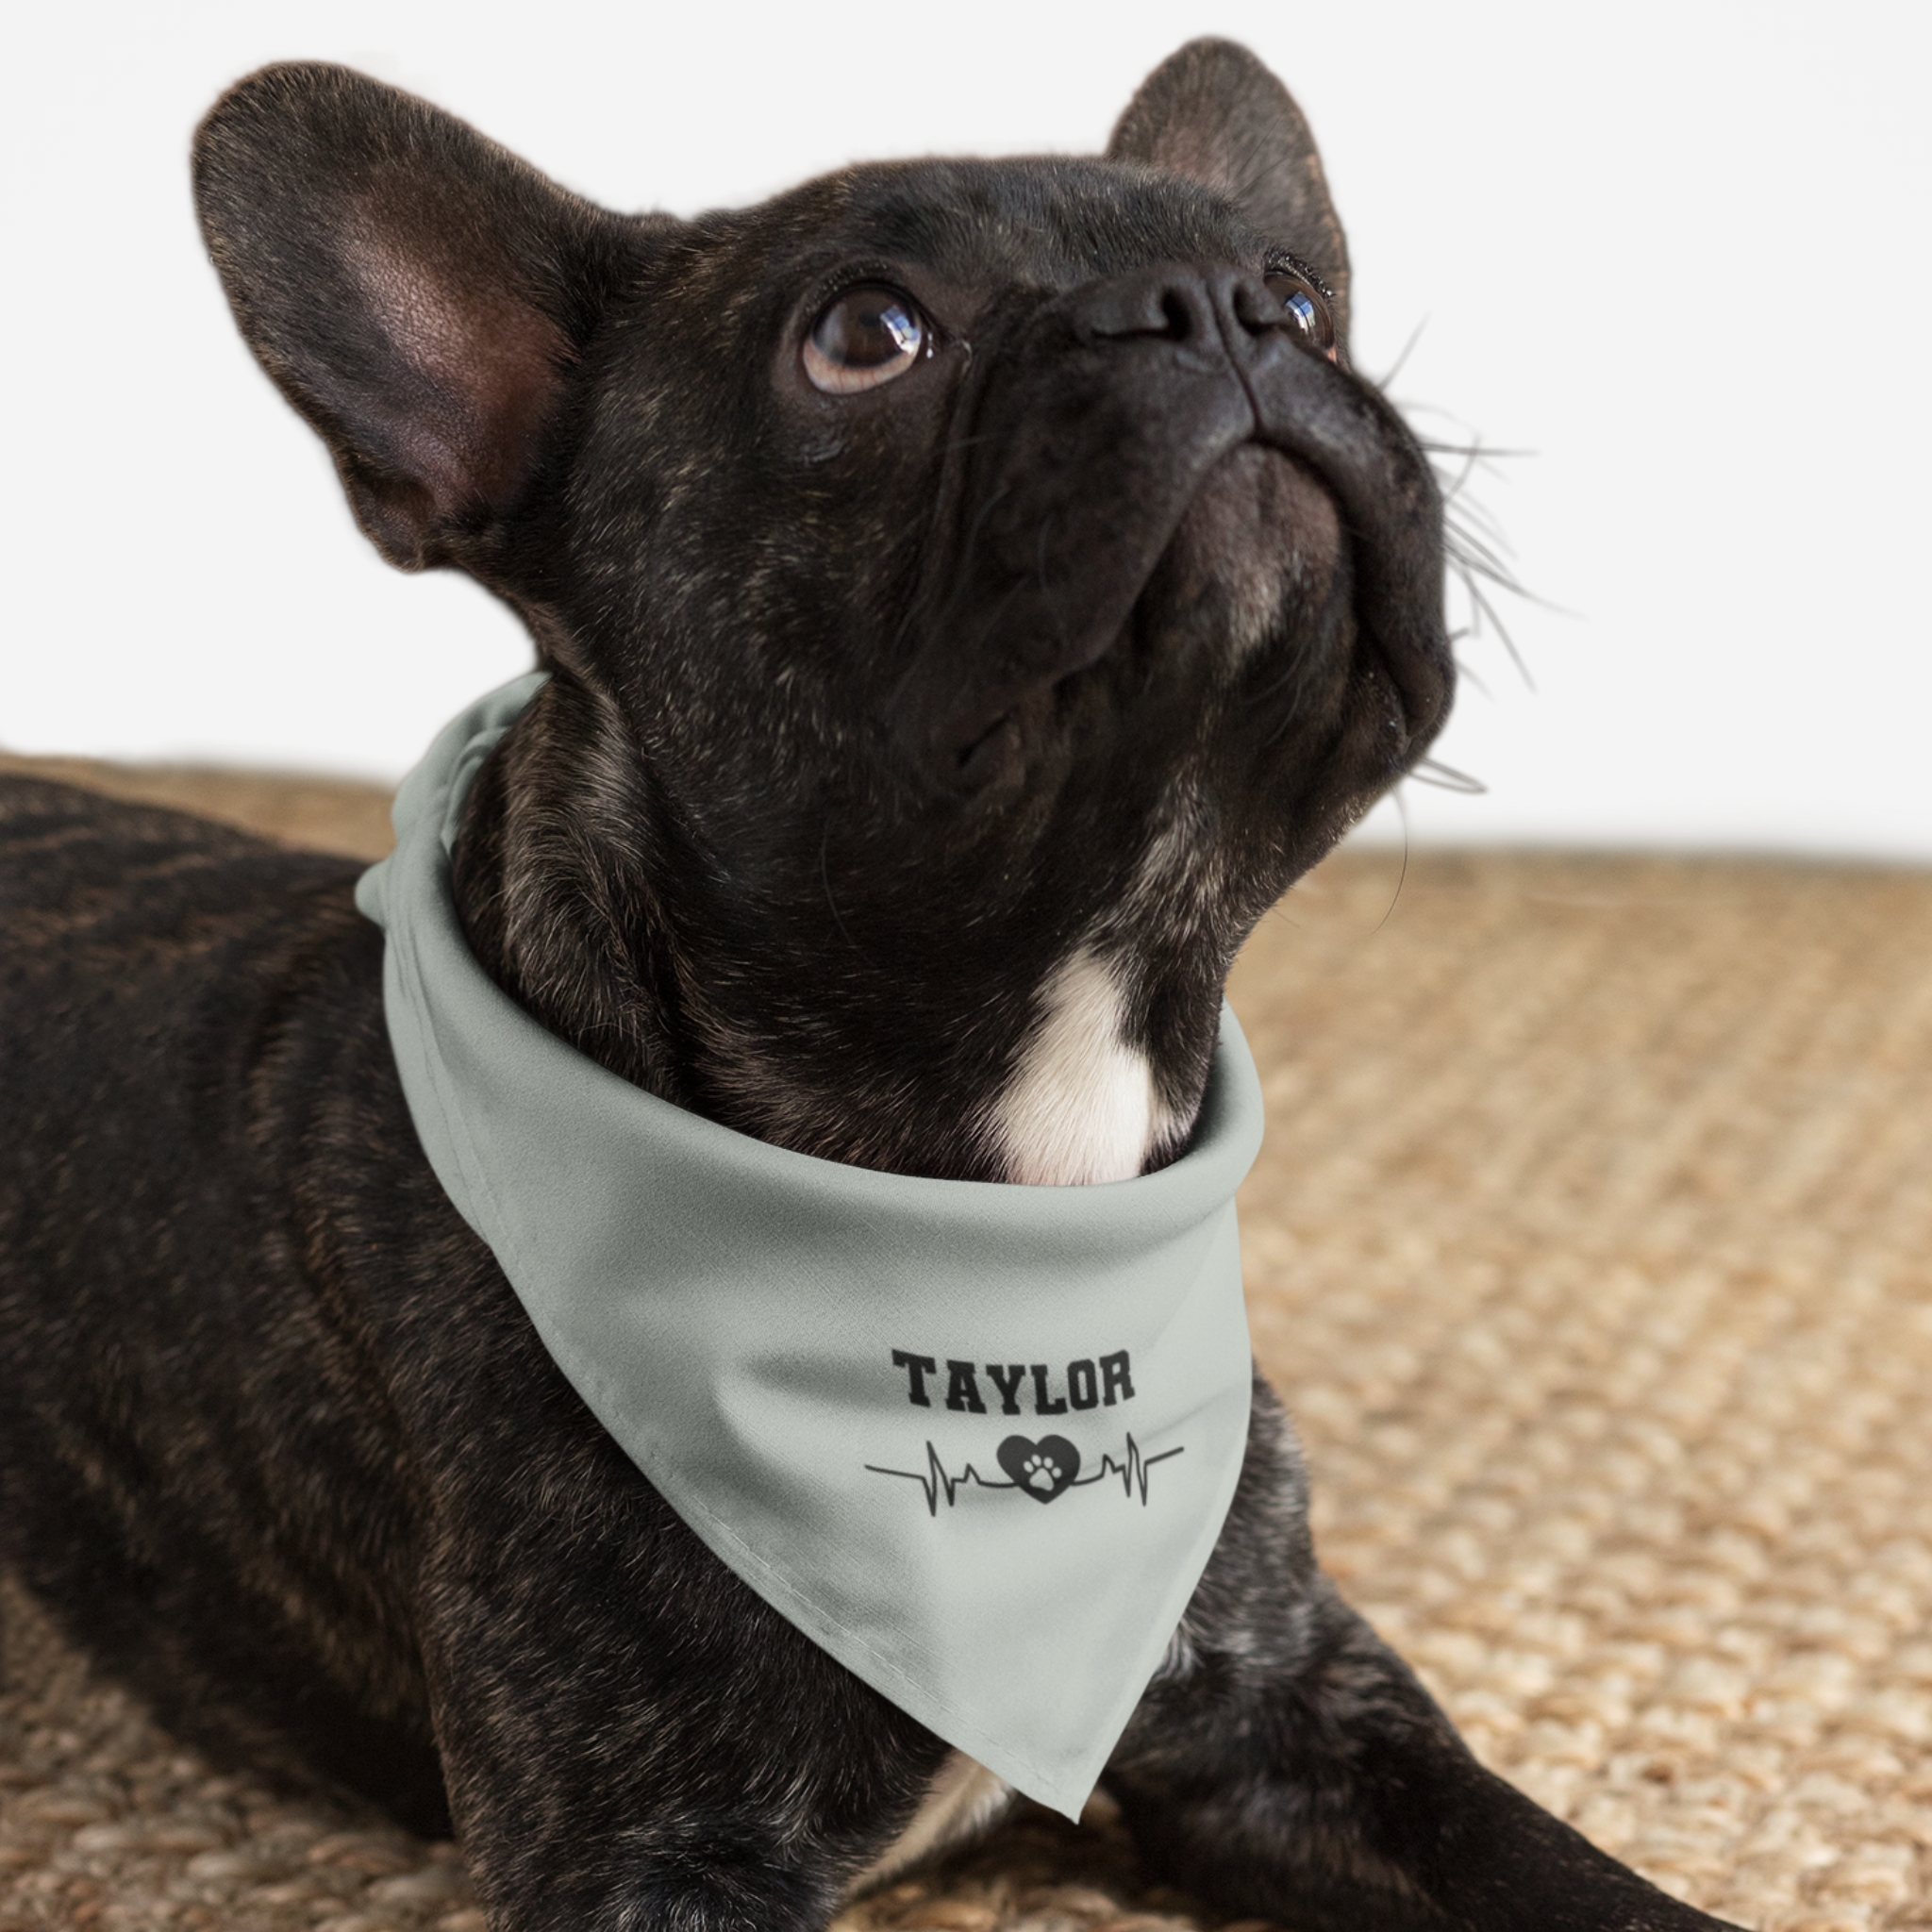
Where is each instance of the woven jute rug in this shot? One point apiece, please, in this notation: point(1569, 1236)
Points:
point(1591, 1247)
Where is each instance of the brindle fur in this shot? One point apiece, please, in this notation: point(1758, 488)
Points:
point(1093, 632)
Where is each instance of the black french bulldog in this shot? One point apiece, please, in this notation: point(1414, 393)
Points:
point(973, 591)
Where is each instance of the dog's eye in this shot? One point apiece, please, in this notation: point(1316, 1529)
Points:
point(865, 338)
point(1305, 308)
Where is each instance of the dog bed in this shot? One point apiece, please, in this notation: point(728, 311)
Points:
point(1591, 1248)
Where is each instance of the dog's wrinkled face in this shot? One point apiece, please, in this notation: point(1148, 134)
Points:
point(958, 572)
point(1027, 498)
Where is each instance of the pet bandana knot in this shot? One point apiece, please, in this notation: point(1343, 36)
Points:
point(975, 1440)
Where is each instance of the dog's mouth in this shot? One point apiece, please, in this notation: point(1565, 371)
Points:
point(1265, 581)
point(1256, 552)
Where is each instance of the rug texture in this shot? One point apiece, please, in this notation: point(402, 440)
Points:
point(1591, 1247)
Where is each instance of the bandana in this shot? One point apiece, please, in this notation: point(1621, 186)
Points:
point(975, 1440)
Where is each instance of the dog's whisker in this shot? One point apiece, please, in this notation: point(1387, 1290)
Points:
point(1415, 334)
point(1402, 876)
point(1432, 771)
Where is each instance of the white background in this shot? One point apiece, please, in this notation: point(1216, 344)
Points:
point(1676, 251)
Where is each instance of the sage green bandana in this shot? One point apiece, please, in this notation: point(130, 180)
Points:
point(975, 1440)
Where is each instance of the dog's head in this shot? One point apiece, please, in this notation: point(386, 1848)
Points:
point(974, 588)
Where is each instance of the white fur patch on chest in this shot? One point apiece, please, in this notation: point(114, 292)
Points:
point(1081, 1106)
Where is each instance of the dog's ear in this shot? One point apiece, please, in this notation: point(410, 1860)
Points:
point(1214, 113)
point(415, 291)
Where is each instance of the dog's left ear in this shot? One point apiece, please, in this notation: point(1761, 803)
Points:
point(1214, 113)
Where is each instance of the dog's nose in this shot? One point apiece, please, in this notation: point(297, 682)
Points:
point(1187, 307)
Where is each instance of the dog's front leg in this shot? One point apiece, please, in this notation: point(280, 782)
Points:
point(1286, 1763)
point(630, 1738)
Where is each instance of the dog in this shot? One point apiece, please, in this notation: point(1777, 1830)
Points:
point(972, 593)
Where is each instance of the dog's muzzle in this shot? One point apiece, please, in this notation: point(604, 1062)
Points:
point(1087, 447)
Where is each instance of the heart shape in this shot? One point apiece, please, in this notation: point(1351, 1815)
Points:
point(1041, 1469)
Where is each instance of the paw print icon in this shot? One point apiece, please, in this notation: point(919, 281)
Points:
point(1044, 1468)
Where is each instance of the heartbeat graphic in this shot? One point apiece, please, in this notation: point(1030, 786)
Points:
point(935, 1481)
